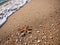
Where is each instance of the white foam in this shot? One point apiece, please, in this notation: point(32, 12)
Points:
point(11, 7)
point(3, 20)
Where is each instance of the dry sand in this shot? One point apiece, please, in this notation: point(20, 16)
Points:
point(45, 13)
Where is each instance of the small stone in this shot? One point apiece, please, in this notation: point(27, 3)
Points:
point(45, 42)
point(31, 36)
point(38, 31)
point(52, 24)
point(51, 37)
point(40, 25)
point(38, 41)
point(20, 40)
point(44, 37)
point(11, 35)
point(25, 43)
point(23, 34)
point(16, 40)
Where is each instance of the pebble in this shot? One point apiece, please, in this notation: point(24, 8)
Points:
point(45, 42)
point(23, 34)
point(38, 31)
point(44, 37)
point(38, 41)
point(51, 37)
point(40, 25)
point(16, 40)
point(25, 43)
point(31, 36)
point(11, 35)
point(52, 24)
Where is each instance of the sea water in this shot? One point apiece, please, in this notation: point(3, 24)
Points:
point(3, 1)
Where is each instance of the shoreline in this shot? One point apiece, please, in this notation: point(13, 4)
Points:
point(41, 16)
point(8, 10)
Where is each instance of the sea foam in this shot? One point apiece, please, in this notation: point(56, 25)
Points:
point(9, 8)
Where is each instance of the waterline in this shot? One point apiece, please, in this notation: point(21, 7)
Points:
point(10, 8)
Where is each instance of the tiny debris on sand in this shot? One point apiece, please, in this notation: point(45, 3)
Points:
point(28, 36)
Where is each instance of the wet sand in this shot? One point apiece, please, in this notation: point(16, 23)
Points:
point(35, 13)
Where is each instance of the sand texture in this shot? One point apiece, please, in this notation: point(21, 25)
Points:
point(37, 23)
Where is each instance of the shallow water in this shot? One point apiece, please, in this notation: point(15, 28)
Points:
point(3, 1)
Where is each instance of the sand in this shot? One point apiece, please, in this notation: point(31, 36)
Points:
point(36, 13)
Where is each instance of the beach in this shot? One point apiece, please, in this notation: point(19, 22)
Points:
point(42, 15)
point(9, 8)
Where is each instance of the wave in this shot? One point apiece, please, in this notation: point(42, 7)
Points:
point(12, 7)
